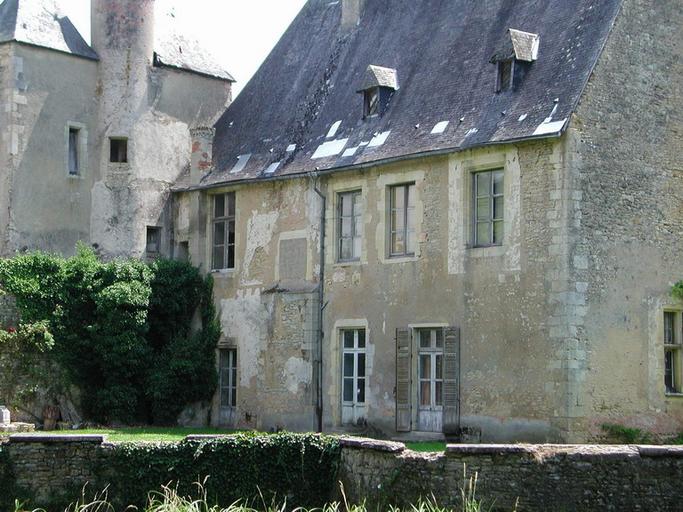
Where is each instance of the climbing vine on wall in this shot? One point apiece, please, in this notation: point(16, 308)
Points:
point(677, 290)
point(122, 330)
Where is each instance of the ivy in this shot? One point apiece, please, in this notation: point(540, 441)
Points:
point(677, 290)
point(123, 331)
point(299, 468)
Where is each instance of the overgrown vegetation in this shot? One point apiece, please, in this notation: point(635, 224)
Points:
point(625, 435)
point(121, 331)
point(299, 468)
point(677, 290)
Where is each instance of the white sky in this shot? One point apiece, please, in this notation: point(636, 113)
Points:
point(239, 33)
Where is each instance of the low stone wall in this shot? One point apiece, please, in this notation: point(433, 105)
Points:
point(533, 477)
point(536, 477)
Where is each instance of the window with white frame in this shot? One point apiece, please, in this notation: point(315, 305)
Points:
point(402, 241)
point(489, 205)
point(350, 228)
point(223, 232)
point(228, 377)
point(353, 363)
point(673, 351)
point(430, 368)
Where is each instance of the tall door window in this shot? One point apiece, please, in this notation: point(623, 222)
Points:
point(350, 225)
point(223, 219)
point(228, 377)
point(353, 375)
point(430, 379)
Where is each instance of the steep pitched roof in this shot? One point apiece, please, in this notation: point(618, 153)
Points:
point(38, 22)
point(306, 89)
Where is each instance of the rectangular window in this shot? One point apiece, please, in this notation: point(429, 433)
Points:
point(153, 240)
point(74, 156)
point(505, 75)
point(223, 232)
point(350, 228)
point(430, 368)
point(371, 98)
point(489, 205)
point(228, 377)
point(118, 150)
point(402, 220)
point(673, 351)
point(353, 371)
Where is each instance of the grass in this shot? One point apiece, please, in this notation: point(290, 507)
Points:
point(427, 446)
point(145, 434)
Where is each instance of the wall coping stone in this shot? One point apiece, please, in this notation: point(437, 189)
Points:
point(57, 439)
point(490, 449)
point(372, 444)
point(207, 437)
point(660, 451)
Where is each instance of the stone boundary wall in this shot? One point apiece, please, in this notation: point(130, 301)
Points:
point(537, 477)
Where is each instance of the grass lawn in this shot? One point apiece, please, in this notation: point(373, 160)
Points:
point(427, 446)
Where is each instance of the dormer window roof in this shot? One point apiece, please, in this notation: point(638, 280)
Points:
point(379, 84)
point(514, 57)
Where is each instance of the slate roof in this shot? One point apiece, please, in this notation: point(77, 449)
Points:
point(306, 89)
point(377, 76)
point(38, 22)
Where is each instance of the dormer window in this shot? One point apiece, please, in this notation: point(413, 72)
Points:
point(514, 58)
point(379, 85)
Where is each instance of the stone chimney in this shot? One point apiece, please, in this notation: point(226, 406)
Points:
point(351, 13)
point(202, 153)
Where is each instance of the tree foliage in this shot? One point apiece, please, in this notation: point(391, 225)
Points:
point(122, 330)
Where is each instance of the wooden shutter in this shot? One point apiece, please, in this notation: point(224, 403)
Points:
point(404, 354)
point(451, 382)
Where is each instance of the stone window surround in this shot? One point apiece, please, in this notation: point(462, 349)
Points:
point(338, 186)
point(334, 373)
point(462, 167)
point(82, 149)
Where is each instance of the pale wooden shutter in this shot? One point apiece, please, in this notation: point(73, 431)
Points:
point(404, 353)
point(451, 380)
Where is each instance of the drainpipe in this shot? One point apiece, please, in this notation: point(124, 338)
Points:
point(321, 306)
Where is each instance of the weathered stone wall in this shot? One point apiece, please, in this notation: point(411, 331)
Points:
point(537, 477)
point(624, 149)
point(9, 314)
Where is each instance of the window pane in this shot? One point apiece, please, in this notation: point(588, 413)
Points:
point(439, 393)
point(397, 220)
point(669, 371)
point(361, 391)
point(410, 243)
point(219, 206)
point(348, 339)
point(439, 338)
point(397, 243)
point(425, 393)
point(483, 233)
point(219, 233)
point(231, 256)
point(361, 338)
point(425, 366)
point(483, 184)
point(348, 390)
point(348, 365)
point(346, 249)
point(231, 232)
point(498, 231)
point(346, 204)
point(411, 196)
point(425, 338)
point(358, 225)
point(361, 365)
point(233, 398)
point(73, 151)
point(498, 183)
point(498, 207)
point(356, 247)
point(483, 208)
point(218, 261)
point(669, 322)
point(398, 196)
point(439, 366)
point(231, 203)
point(346, 227)
point(234, 377)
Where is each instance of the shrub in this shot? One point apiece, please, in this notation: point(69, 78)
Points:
point(625, 435)
point(109, 320)
point(677, 290)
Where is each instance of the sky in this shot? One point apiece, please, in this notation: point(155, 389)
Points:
point(239, 33)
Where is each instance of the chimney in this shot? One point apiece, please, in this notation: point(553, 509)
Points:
point(351, 13)
point(202, 153)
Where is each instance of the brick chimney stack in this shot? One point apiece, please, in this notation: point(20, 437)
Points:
point(202, 153)
point(351, 13)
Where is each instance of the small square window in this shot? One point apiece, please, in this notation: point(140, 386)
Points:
point(118, 150)
point(74, 151)
point(153, 240)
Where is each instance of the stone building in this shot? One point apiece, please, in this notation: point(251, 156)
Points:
point(92, 137)
point(426, 215)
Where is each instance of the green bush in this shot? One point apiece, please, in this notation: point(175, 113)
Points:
point(299, 468)
point(626, 435)
point(677, 290)
point(111, 320)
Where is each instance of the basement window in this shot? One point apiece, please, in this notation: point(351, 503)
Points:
point(673, 352)
point(118, 150)
point(74, 153)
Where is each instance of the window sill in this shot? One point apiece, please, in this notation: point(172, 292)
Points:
point(352, 263)
point(225, 272)
point(492, 251)
point(401, 259)
point(76, 177)
point(673, 395)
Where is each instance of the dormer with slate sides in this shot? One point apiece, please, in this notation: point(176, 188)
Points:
point(379, 85)
point(516, 55)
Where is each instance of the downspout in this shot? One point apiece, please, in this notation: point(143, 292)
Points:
point(321, 306)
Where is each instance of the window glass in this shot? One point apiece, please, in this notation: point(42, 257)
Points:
point(353, 366)
point(669, 329)
point(350, 226)
point(402, 220)
point(74, 164)
point(223, 233)
point(489, 208)
point(227, 363)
